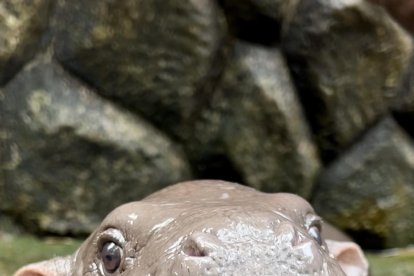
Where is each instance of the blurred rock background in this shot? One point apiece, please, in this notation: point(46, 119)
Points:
point(103, 102)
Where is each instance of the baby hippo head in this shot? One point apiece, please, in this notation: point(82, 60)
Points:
point(209, 228)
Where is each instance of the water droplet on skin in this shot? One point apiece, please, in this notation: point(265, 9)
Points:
point(224, 196)
point(132, 217)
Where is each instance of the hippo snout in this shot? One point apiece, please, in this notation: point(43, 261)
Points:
point(248, 249)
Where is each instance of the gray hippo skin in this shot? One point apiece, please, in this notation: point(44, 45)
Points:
point(209, 228)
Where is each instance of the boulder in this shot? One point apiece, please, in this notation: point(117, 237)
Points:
point(369, 191)
point(401, 10)
point(152, 57)
point(22, 23)
point(347, 58)
point(403, 105)
point(256, 121)
point(69, 156)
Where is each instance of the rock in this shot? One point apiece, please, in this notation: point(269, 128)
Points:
point(370, 189)
point(255, 120)
point(401, 10)
point(21, 25)
point(69, 157)
point(150, 56)
point(8, 227)
point(405, 100)
point(403, 105)
point(347, 58)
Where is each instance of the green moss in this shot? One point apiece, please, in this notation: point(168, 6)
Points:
point(18, 251)
point(399, 264)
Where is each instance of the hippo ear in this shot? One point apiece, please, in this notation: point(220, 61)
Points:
point(59, 266)
point(349, 256)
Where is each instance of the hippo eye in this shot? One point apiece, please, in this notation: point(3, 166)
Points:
point(313, 224)
point(110, 253)
point(111, 256)
point(315, 232)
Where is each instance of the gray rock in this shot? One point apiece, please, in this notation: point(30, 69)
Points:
point(150, 56)
point(405, 100)
point(401, 10)
point(347, 57)
point(256, 121)
point(21, 25)
point(69, 157)
point(9, 227)
point(370, 189)
point(403, 105)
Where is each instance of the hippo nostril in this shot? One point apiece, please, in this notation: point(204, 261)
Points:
point(192, 250)
point(199, 255)
point(200, 245)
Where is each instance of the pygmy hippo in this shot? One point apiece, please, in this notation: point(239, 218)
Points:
point(209, 228)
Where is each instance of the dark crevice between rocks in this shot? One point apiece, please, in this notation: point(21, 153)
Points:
point(405, 120)
point(216, 167)
point(206, 89)
point(246, 23)
point(45, 43)
point(215, 164)
point(311, 105)
point(367, 240)
point(13, 66)
point(360, 136)
point(403, 107)
point(343, 150)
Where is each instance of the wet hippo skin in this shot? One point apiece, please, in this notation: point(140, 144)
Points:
point(210, 228)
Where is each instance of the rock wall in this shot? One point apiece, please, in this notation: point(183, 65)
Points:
point(103, 102)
